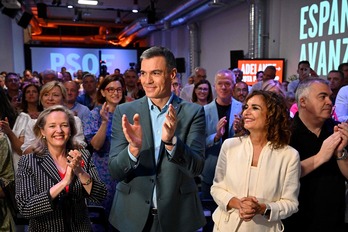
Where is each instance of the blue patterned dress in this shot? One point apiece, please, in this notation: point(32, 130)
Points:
point(100, 158)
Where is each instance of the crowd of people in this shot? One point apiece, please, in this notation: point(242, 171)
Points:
point(149, 150)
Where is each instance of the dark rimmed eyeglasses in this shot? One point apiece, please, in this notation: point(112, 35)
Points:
point(112, 90)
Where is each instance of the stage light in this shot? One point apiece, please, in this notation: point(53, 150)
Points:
point(23, 19)
point(70, 4)
point(135, 7)
point(88, 2)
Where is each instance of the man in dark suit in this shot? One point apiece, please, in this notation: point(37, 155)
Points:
point(157, 148)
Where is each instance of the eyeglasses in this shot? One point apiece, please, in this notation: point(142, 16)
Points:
point(202, 89)
point(112, 90)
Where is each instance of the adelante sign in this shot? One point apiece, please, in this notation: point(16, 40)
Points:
point(251, 66)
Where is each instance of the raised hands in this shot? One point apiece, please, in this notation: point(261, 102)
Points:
point(329, 146)
point(5, 126)
point(75, 161)
point(220, 128)
point(237, 123)
point(133, 134)
point(169, 125)
point(343, 131)
point(104, 112)
point(75, 166)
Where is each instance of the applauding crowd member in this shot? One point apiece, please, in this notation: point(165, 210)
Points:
point(155, 154)
point(65, 174)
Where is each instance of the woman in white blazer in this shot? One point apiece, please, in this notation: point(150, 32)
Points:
point(256, 180)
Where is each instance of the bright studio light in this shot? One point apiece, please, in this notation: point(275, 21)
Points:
point(88, 2)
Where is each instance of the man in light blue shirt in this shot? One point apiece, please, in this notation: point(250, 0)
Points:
point(157, 148)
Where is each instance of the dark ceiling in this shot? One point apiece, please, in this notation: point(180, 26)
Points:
point(111, 22)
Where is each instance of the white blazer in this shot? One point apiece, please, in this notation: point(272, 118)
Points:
point(277, 184)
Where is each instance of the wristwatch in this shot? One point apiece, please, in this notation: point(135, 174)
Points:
point(343, 156)
point(267, 212)
point(172, 142)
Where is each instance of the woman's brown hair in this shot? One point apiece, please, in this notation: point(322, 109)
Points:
point(278, 120)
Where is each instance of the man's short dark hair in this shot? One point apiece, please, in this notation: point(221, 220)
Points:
point(303, 62)
point(258, 73)
point(160, 51)
point(340, 67)
point(89, 75)
point(337, 71)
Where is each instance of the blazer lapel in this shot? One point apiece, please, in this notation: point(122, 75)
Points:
point(177, 106)
point(145, 122)
point(235, 109)
point(48, 167)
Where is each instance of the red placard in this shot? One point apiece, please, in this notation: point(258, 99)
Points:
point(251, 66)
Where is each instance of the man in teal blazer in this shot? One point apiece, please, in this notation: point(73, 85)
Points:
point(157, 148)
point(219, 117)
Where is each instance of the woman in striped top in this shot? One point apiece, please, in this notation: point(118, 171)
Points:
point(53, 182)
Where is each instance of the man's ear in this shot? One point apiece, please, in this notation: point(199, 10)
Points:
point(303, 102)
point(173, 73)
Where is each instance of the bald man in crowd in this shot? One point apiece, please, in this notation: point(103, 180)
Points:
point(186, 92)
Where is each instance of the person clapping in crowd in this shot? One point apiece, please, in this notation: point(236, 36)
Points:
point(98, 130)
point(65, 174)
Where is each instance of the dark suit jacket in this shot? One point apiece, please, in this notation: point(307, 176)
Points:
point(179, 206)
point(67, 212)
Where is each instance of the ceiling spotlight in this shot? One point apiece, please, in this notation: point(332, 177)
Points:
point(135, 7)
point(88, 2)
point(69, 4)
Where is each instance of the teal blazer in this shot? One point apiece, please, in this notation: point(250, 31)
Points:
point(178, 202)
point(213, 149)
